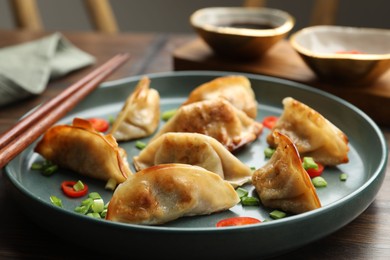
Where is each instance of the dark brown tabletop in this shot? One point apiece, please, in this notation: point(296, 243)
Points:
point(366, 237)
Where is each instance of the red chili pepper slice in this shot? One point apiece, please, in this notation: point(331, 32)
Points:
point(270, 121)
point(67, 188)
point(99, 124)
point(237, 221)
point(315, 172)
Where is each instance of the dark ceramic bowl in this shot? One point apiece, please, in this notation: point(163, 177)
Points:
point(241, 32)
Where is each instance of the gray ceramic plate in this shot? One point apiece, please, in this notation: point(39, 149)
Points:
point(198, 236)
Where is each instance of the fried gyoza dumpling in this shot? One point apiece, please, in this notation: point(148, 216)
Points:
point(312, 134)
point(217, 118)
point(140, 115)
point(82, 149)
point(282, 183)
point(166, 192)
point(195, 149)
point(234, 88)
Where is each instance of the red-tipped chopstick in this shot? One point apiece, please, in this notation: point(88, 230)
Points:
point(28, 129)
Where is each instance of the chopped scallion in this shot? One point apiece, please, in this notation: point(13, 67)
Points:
point(87, 202)
point(47, 168)
point(50, 170)
point(37, 166)
point(56, 201)
point(241, 192)
point(93, 215)
point(277, 214)
point(93, 206)
point(343, 177)
point(79, 185)
point(111, 120)
point(111, 184)
point(250, 201)
point(319, 182)
point(84, 209)
point(97, 205)
point(168, 114)
point(268, 152)
point(103, 213)
point(94, 195)
point(140, 145)
point(309, 163)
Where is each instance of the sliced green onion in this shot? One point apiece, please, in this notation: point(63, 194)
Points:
point(79, 185)
point(319, 182)
point(241, 192)
point(97, 205)
point(309, 163)
point(111, 119)
point(140, 145)
point(103, 213)
point(47, 164)
point(268, 152)
point(111, 184)
point(87, 202)
point(93, 206)
point(93, 215)
point(253, 168)
point(56, 201)
point(37, 166)
point(343, 177)
point(48, 171)
point(84, 209)
point(277, 214)
point(94, 195)
point(168, 114)
point(250, 201)
point(46, 168)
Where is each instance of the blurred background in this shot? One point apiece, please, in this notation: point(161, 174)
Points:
point(173, 15)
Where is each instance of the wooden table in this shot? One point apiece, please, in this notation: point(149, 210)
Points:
point(366, 237)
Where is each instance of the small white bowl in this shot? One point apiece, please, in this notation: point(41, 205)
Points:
point(241, 32)
point(344, 54)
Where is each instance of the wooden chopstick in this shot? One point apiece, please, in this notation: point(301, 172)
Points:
point(23, 124)
point(28, 129)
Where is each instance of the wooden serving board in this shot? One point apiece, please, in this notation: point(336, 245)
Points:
point(283, 62)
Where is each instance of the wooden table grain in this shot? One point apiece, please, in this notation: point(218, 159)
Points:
point(366, 237)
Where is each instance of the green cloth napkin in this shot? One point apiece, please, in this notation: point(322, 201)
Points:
point(26, 68)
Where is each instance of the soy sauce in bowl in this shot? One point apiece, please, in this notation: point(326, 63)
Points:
point(249, 25)
point(241, 33)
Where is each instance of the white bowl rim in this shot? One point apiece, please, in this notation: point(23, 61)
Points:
point(288, 24)
point(346, 29)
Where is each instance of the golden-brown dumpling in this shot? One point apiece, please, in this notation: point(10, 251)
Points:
point(282, 183)
point(312, 134)
point(166, 192)
point(140, 115)
point(217, 118)
point(195, 149)
point(82, 149)
point(234, 88)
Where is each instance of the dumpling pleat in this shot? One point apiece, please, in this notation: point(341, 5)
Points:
point(282, 183)
point(163, 193)
point(312, 133)
point(82, 149)
point(195, 149)
point(216, 118)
